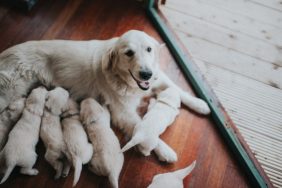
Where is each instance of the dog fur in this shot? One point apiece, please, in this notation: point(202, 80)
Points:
point(20, 147)
point(107, 159)
point(161, 113)
point(78, 148)
point(105, 68)
point(51, 130)
point(172, 179)
point(8, 119)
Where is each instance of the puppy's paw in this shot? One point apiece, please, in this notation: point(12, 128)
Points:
point(28, 171)
point(165, 153)
point(201, 107)
point(169, 157)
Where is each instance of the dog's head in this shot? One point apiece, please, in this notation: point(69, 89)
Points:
point(134, 58)
point(56, 100)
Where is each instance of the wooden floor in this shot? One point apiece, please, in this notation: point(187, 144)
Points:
point(192, 136)
point(238, 47)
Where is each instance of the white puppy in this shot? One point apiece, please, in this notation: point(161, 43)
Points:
point(107, 159)
point(79, 149)
point(171, 179)
point(51, 131)
point(20, 147)
point(160, 115)
point(8, 119)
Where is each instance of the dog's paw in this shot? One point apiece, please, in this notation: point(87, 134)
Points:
point(201, 107)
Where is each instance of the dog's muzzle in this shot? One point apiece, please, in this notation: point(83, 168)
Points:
point(144, 85)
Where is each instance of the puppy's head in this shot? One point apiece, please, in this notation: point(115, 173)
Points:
point(134, 58)
point(36, 100)
point(170, 96)
point(70, 108)
point(16, 107)
point(56, 100)
point(90, 111)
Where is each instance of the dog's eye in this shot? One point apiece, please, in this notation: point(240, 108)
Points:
point(149, 49)
point(129, 53)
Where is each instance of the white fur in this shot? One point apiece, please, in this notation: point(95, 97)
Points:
point(98, 69)
point(51, 131)
point(20, 147)
point(79, 149)
point(8, 119)
point(160, 115)
point(172, 179)
point(107, 159)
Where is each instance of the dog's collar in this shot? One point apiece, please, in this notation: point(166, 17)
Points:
point(70, 115)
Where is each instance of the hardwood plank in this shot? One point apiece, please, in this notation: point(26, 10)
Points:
point(192, 136)
point(231, 60)
point(225, 19)
point(232, 40)
point(248, 9)
point(274, 4)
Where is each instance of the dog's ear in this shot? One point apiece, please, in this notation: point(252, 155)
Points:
point(109, 59)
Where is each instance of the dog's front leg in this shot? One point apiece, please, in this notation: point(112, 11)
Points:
point(190, 101)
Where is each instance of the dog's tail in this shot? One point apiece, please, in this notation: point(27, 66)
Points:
point(77, 163)
point(7, 173)
point(182, 173)
point(133, 142)
point(113, 178)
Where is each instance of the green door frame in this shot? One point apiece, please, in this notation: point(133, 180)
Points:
point(203, 91)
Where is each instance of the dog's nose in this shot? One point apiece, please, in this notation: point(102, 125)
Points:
point(145, 74)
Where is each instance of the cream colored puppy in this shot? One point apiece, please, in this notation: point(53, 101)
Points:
point(8, 119)
point(79, 149)
point(161, 113)
point(51, 131)
point(107, 159)
point(171, 179)
point(20, 147)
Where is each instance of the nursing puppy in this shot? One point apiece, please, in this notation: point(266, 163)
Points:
point(161, 113)
point(8, 119)
point(20, 147)
point(120, 71)
point(172, 179)
point(107, 159)
point(51, 131)
point(79, 149)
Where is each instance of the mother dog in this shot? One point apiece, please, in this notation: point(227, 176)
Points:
point(119, 72)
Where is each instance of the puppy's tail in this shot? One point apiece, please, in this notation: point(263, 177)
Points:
point(7, 173)
point(133, 142)
point(185, 171)
point(77, 163)
point(113, 178)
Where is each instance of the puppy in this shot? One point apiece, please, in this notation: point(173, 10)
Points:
point(108, 158)
point(79, 149)
point(51, 131)
point(160, 115)
point(20, 147)
point(172, 179)
point(8, 118)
